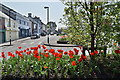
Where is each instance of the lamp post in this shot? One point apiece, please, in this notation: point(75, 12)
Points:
point(10, 26)
point(47, 22)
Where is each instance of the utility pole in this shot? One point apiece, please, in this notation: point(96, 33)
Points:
point(47, 22)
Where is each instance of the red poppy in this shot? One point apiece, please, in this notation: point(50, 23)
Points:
point(19, 47)
point(65, 53)
point(28, 53)
point(35, 52)
point(38, 46)
point(12, 55)
point(46, 55)
point(96, 52)
point(45, 50)
point(27, 49)
point(21, 51)
point(83, 57)
point(3, 55)
point(80, 59)
point(55, 54)
point(71, 53)
point(59, 55)
point(73, 63)
point(57, 58)
point(51, 50)
point(38, 57)
point(60, 51)
point(42, 53)
point(117, 51)
point(71, 56)
point(21, 55)
point(76, 51)
point(45, 67)
point(92, 53)
point(43, 47)
point(17, 52)
point(24, 50)
point(9, 53)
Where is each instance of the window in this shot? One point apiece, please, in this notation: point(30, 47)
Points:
point(14, 25)
point(24, 22)
point(20, 21)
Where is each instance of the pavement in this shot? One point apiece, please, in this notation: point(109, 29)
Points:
point(18, 40)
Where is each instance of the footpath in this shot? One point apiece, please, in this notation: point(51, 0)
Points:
point(18, 40)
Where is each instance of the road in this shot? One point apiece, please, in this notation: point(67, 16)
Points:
point(33, 43)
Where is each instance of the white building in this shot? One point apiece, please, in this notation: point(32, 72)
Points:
point(24, 25)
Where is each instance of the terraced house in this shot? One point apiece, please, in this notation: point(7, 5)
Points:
point(9, 26)
point(24, 25)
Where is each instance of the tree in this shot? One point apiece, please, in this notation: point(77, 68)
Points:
point(96, 22)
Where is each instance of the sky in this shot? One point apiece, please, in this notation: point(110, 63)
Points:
point(56, 9)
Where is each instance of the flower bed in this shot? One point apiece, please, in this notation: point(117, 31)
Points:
point(41, 63)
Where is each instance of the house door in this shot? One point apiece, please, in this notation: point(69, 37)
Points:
point(2, 38)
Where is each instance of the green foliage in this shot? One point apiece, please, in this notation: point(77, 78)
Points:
point(100, 19)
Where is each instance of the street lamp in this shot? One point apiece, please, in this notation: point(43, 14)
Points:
point(10, 25)
point(47, 22)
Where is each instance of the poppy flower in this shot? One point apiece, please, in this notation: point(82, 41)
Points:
point(51, 50)
point(21, 51)
point(96, 52)
point(57, 58)
point(117, 51)
point(43, 47)
point(60, 51)
point(42, 53)
point(59, 55)
point(17, 52)
point(71, 57)
point(55, 54)
point(9, 53)
point(3, 55)
point(46, 55)
point(76, 51)
point(38, 46)
point(45, 67)
point(71, 53)
point(65, 53)
point(12, 55)
point(83, 57)
point(19, 47)
point(24, 50)
point(35, 52)
point(27, 49)
point(80, 59)
point(92, 53)
point(28, 53)
point(38, 57)
point(45, 50)
point(73, 63)
point(21, 55)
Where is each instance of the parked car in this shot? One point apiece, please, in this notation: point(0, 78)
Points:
point(43, 34)
point(51, 33)
point(35, 35)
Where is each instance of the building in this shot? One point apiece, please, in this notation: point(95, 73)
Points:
point(44, 28)
point(2, 29)
point(36, 24)
point(24, 25)
point(9, 22)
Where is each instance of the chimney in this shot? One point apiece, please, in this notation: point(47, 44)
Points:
point(29, 14)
